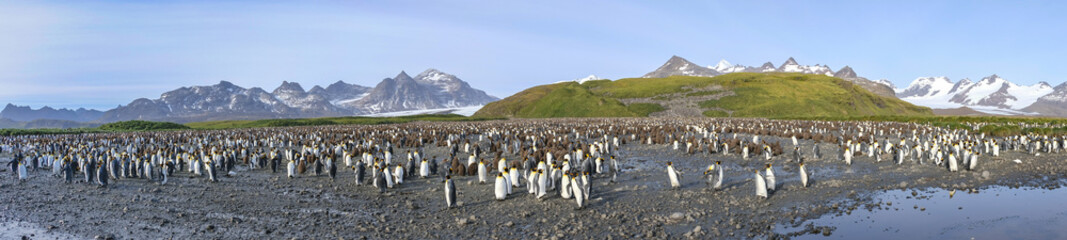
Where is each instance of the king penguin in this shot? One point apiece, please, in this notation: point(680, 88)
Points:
point(578, 195)
point(68, 171)
point(771, 184)
point(379, 180)
point(542, 181)
point(761, 186)
point(565, 186)
point(803, 176)
point(952, 165)
point(399, 173)
point(482, 172)
point(22, 171)
point(290, 169)
point(166, 172)
point(332, 170)
point(674, 176)
point(501, 188)
point(450, 192)
point(424, 169)
point(102, 175)
point(211, 172)
point(360, 172)
point(389, 180)
point(613, 167)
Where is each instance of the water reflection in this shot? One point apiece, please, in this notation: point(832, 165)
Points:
point(995, 213)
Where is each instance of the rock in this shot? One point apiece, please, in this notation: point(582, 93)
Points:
point(677, 216)
point(903, 184)
point(985, 174)
point(509, 224)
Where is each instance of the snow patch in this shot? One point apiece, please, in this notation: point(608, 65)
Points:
point(465, 111)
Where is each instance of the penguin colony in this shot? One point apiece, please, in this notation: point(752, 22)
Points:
point(552, 160)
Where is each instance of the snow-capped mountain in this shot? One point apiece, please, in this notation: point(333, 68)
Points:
point(726, 67)
point(678, 66)
point(682, 67)
point(992, 93)
point(432, 89)
point(1052, 104)
point(885, 82)
point(591, 77)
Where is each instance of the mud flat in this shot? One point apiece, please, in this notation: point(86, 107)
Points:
point(258, 204)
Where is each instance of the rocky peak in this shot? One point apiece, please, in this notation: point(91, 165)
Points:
point(678, 66)
point(845, 72)
point(790, 61)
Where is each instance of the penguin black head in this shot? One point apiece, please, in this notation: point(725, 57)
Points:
point(718, 162)
point(668, 163)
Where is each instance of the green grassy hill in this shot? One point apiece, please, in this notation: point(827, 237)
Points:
point(772, 95)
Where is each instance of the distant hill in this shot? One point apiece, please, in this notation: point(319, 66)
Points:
point(26, 114)
point(729, 95)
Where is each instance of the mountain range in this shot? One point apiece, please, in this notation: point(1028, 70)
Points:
point(991, 95)
point(431, 89)
point(678, 66)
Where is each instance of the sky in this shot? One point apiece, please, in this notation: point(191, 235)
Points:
point(101, 54)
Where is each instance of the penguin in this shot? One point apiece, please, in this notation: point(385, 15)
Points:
point(424, 169)
point(542, 181)
point(578, 195)
point(973, 164)
point(501, 188)
point(673, 175)
point(379, 180)
point(531, 183)
point(68, 171)
point(450, 192)
point(22, 171)
point(211, 172)
point(803, 176)
point(761, 186)
point(332, 170)
point(587, 184)
point(318, 167)
point(565, 186)
point(360, 172)
point(274, 164)
point(507, 181)
point(770, 178)
point(90, 171)
point(291, 169)
point(952, 165)
point(482, 173)
point(165, 173)
point(14, 163)
point(102, 175)
point(389, 180)
point(399, 173)
point(848, 157)
point(502, 165)
point(514, 175)
point(714, 180)
point(613, 168)
point(57, 169)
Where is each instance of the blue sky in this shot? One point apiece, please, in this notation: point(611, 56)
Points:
point(102, 54)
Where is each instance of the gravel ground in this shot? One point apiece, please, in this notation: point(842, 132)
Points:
point(257, 204)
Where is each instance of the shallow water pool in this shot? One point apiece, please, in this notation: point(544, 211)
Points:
point(994, 213)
